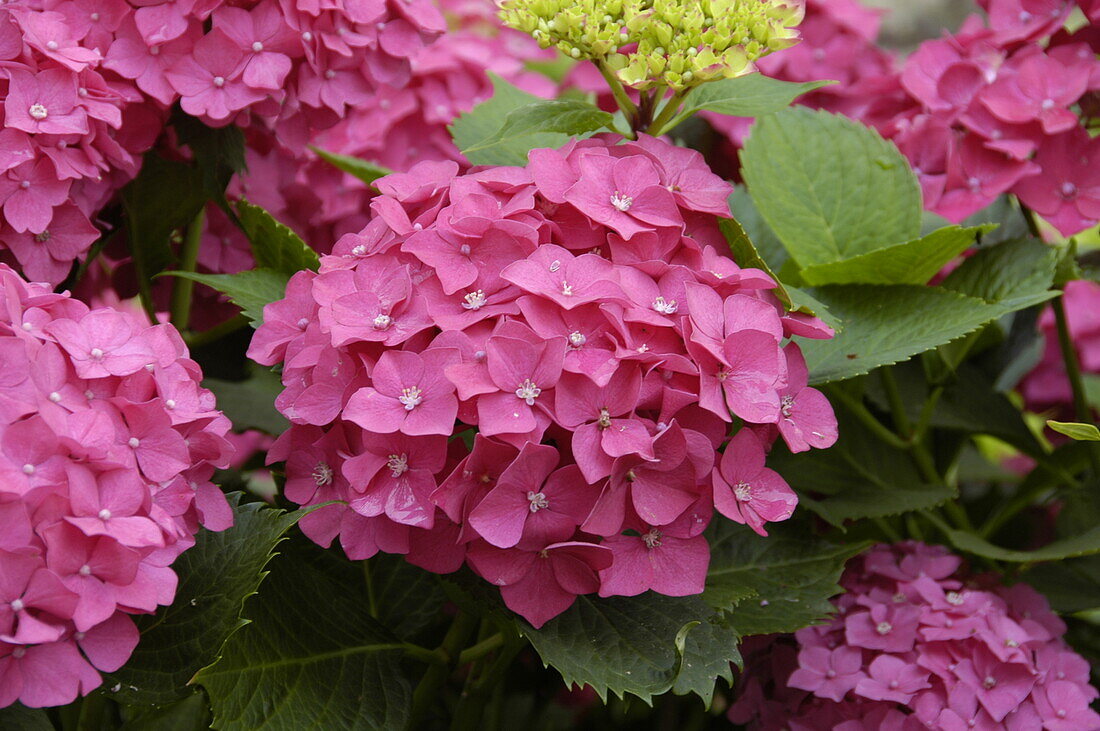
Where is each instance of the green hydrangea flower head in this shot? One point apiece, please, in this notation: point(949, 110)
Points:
point(676, 43)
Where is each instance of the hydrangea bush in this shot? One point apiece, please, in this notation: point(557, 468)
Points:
point(451, 364)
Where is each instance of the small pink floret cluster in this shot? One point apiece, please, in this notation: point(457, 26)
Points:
point(918, 644)
point(1047, 388)
point(995, 108)
point(85, 86)
point(107, 447)
point(533, 370)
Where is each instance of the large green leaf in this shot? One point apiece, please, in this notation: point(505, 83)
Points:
point(484, 122)
point(215, 577)
point(885, 324)
point(858, 477)
point(629, 645)
point(274, 245)
point(1070, 586)
point(747, 256)
point(914, 262)
point(218, 152)
point(312, 657)
point(830, 188)
point(524, 128)
point(1014, 274)
point(753, 95)
point(357, 167)
point(250, 404)
point(1081, 545)
point(407, 598)
point(780, 583)
point(20, 718)
point(190, 714)
point(165, 196)
point(249, 290)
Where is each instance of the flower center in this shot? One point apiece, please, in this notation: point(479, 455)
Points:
point(665, 307)
point(474, 300)
point(19, 652)
point(975, 184)
point(1047, 105)
point(1069, 190)
point(604, 421)
point(989, 682)
point(43, 237)
point(219, 81)
point(257, 46)
point(322, 474)
point(17, 605)
point(170, 404)
point(330, 74)
point(954, 598)
point(722, 375)
point(538, 501)
point(577, 339)
point(96, 353)
point(154, 50)
point(105, 514)
point(85, 570)
point(528, 392)
point(566, 289)
point(884, 628)
point(652, 539)
point(398, 464)
point(383, 321)
point(52, 45)
point(464, 249)
point(28, 469)
point(55, 396)
point(742, 491)
point(38, 111)
point(134, 442)
point(785, 405)
point(622, 202)
point(410, 397)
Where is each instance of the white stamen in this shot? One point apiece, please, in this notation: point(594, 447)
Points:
point(330, 74)
point(665, 307)
point(954, 598)
point(55, 396)
point(381, 322)
point(307, 36)
point(464, 249)
point(52, 45)
point(785, 405)
point(218, 81)
point(652, 539)
point(42, 237)
point(604, 422)
point(303, 324)
point(566, 289)
point(538, 501)
point(38, 111)
point(577, 339)
point(134, 442)
point(884, 628)
point(474, 300)
point(989, 682)
point(94, 17)
point(622, 202)
point(528, 392)
point(85, 570)
point(742, 491)
point(170, 404)
point(28, 469)
point(398, 464)
point(1047, 105)
point(322, 474)
point(105, 514)
point(1069, 190)
point(257, 46)
point(96, 353)
point(17, 605)
point(410, 398)
point(359, 250)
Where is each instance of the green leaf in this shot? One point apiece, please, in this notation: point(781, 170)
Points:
point(357, 167)
point(312, 657)
point(1076, 431)
point(767, 243)
point(20, 718)
point(1015, 274)
point(408, 598)
point(249, 290)
point(165, 196)
point(1081, 545)
point(753, 95)
point(190, 714)
point(885, 324)
point(218, 151)
point(485, 121)
point(628, 645)
point(858, 477)
point(524, 128)
point(1070, 586)
point(830, 188)
point(215, 577)
point(746, 256)
point(783, 581)
point(274, 245)
point(250, 404)
point(914, 262)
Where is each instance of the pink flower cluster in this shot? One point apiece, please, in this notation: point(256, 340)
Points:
point(397, 128)
point(85, 85)
point(995, 108)
point(917, 644)
point(1046, 387)
point(107, 447)
point(534, 369)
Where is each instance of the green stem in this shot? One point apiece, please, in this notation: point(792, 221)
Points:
point(219, 331)
point(868, 419)
point(629, 109)
point(481, 649)
point(897, 404)
point(666, 114)
point(372, 602)
point(180, 305)
point(925, 418)
point(1073, 372)
point(428, 690)
point(888, 530)
point(423, 654)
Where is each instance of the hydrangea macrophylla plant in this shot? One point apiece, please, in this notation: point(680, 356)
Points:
point(918, 643)
point(578, 302)
point(107, 447)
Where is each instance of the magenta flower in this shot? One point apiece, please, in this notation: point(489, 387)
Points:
point(29, 193)
point(623, 194)
point(806, 417)
point(828, 673)
point(745, 490)
point(27, 585)
point(1067, 191)
point(1041, 89)
point(266, 39)
point(744, 379)
point(111, 504)
point(892, 679)
point(48, 33)
point(47, 256)
point(410, 395)
point(525, 373)
point(554, 273)
point(101, 344)
point(533, 502)
point(670, 560)
point(394, 475)
point(45, 103)
point(208, 81)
